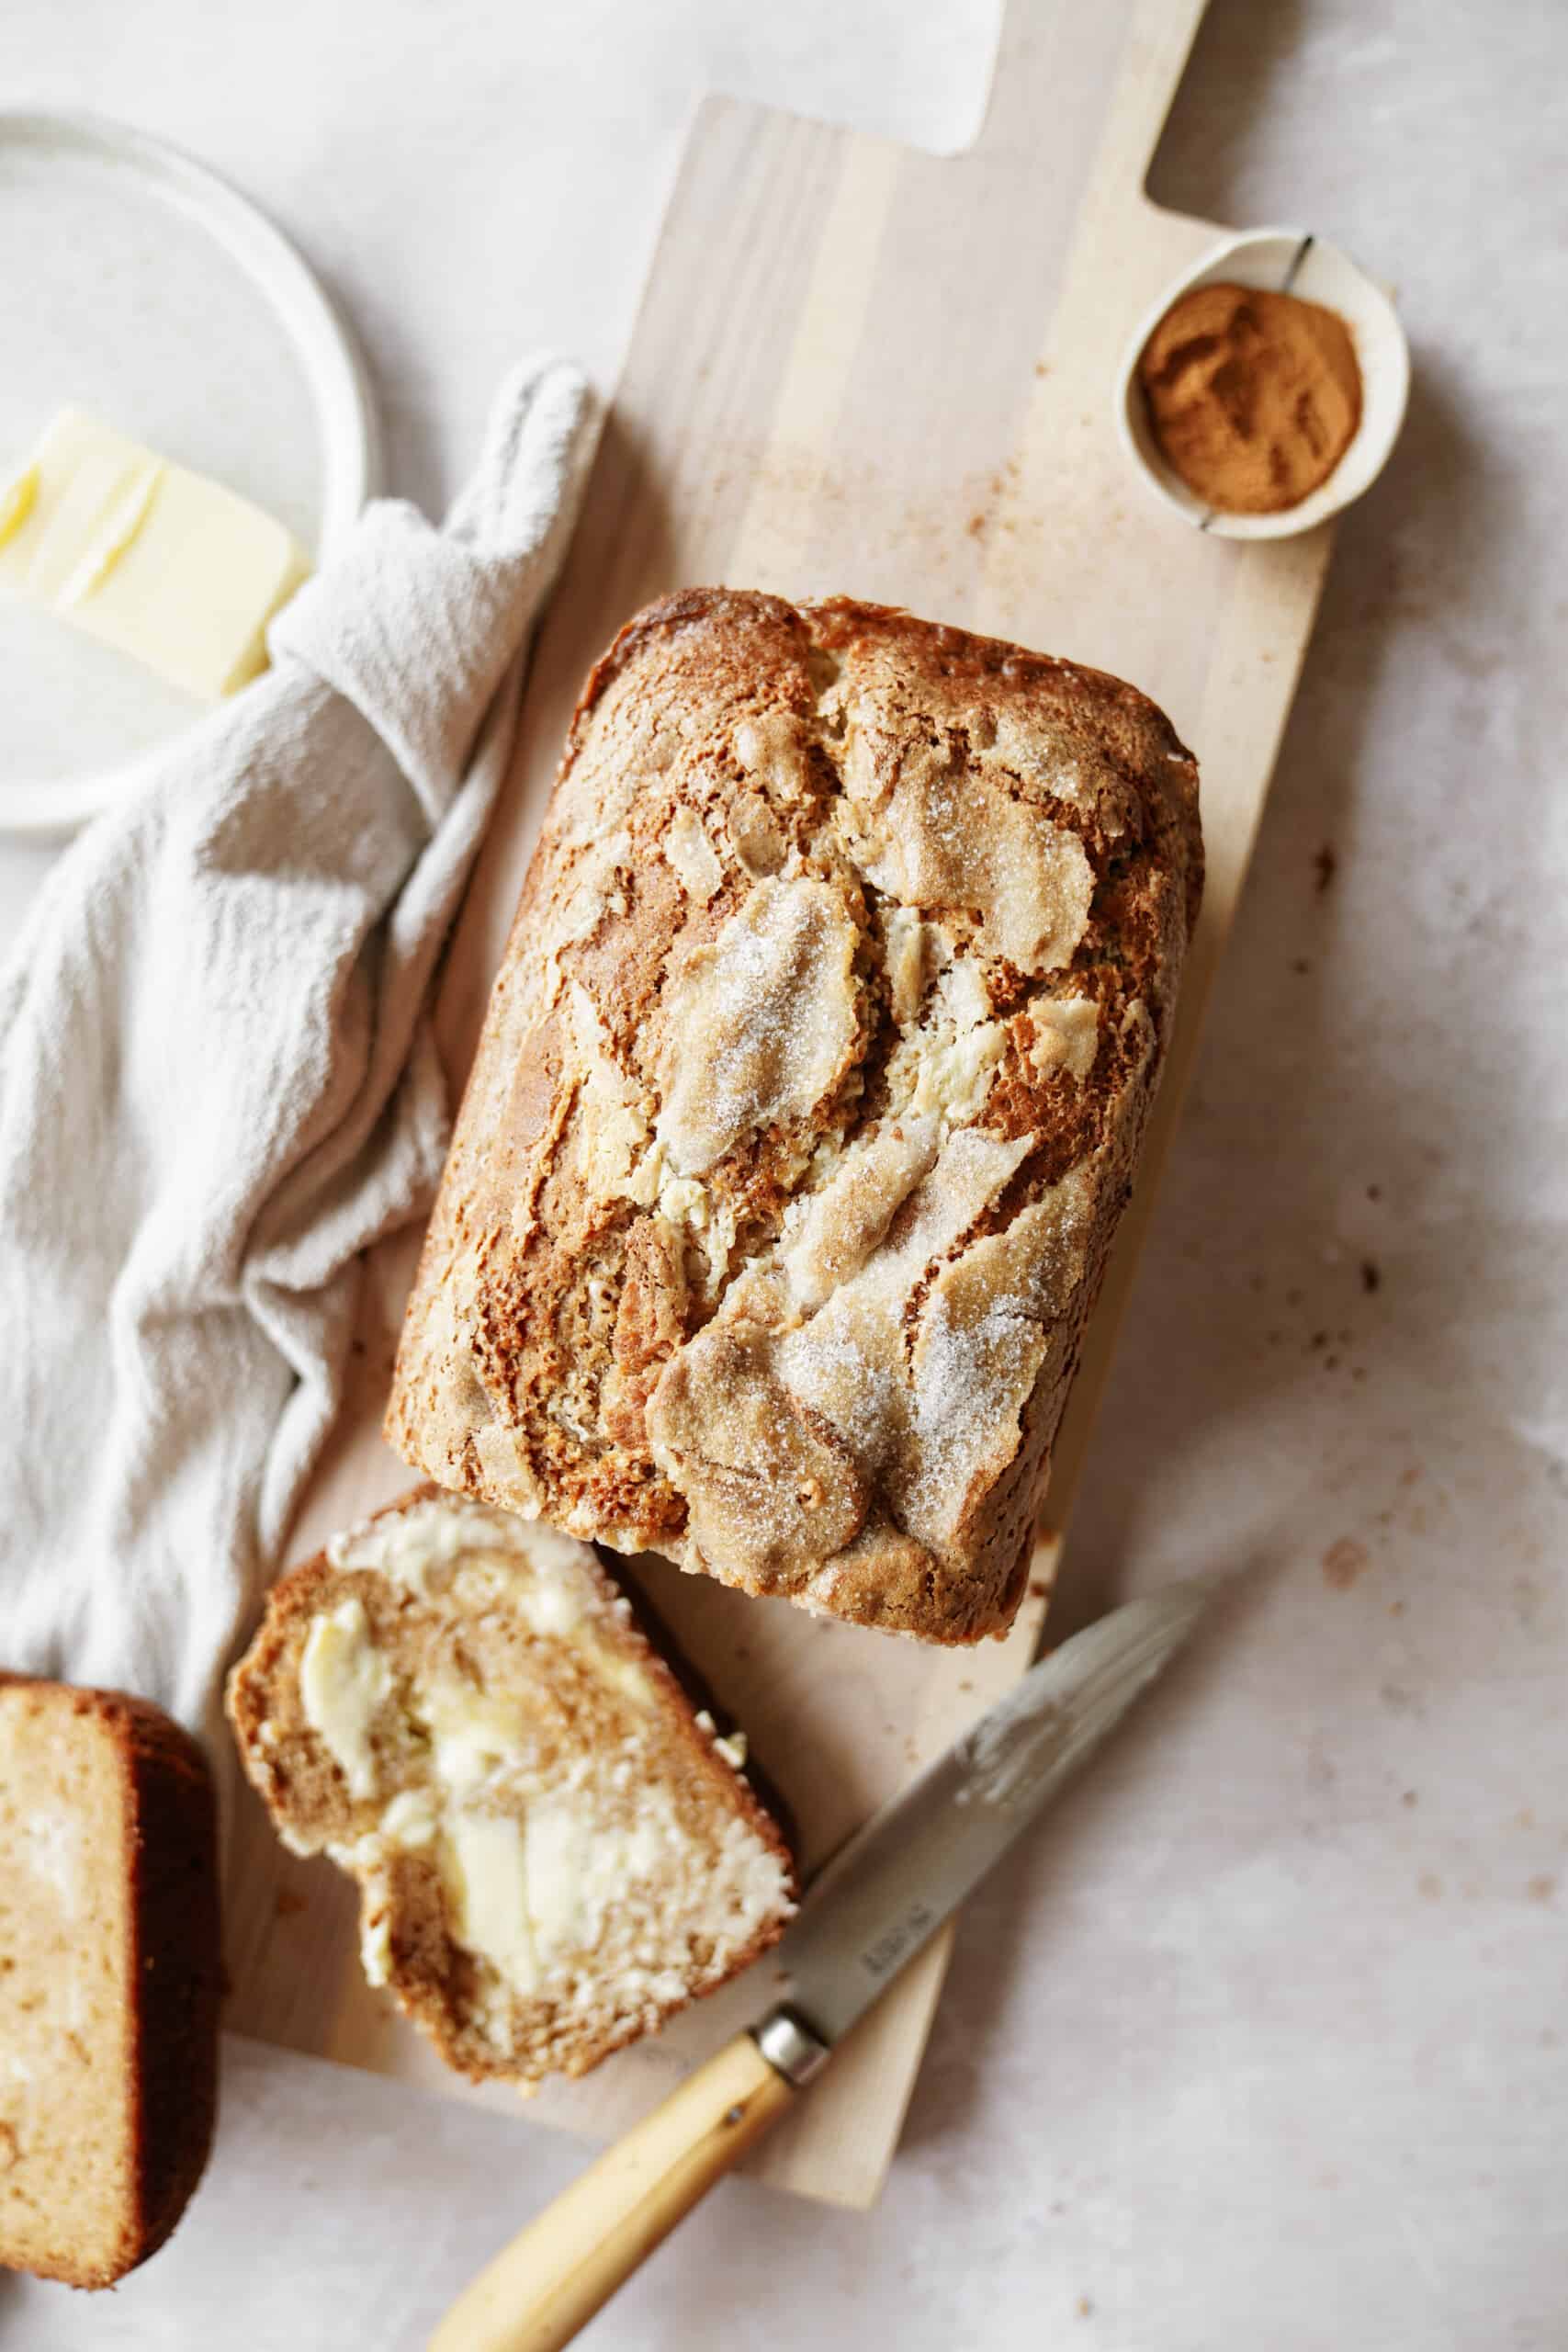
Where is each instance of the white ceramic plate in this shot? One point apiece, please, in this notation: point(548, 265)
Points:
point(138, 285)
point(1318, 272)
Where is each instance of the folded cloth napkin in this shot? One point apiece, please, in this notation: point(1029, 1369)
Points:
point(217, 1082)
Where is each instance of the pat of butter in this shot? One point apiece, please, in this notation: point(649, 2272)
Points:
point(16, 500)
point(146, 556)
point(342, 1680)
point(471, 1733)
point(411, 1820)
point(421, 1541)
point(622, 1675)
point(528, 1891)
point(552, 1606)
point(488, 1876)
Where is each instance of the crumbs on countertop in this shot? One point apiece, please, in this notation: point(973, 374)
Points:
point(1344, 1562)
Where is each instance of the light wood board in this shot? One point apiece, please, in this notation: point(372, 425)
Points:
point(860, 370)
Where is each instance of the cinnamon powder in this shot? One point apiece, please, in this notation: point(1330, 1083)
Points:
point(1253, 397)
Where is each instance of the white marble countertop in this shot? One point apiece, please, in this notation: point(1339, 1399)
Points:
point(1277, 2055)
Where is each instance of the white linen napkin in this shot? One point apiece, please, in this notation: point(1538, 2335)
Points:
point(217, 1082)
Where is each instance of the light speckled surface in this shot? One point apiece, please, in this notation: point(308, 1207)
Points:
point(1262, 2044)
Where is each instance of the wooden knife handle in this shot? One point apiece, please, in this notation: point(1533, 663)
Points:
point(552, 2278)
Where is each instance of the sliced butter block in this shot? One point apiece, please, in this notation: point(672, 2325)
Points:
point(554, 1851)
point(17, 500)
point(146, 556)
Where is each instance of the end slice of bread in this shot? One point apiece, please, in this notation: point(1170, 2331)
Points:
point(110, 1978)
point(555, 1852)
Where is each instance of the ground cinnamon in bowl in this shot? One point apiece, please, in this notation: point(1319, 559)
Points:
point(1253, 397)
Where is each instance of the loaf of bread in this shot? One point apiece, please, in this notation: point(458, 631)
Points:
point(110, 1978)
point(809, 1097)
point(555, 1851)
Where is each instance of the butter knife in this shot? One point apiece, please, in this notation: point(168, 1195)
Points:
point(878, 1901)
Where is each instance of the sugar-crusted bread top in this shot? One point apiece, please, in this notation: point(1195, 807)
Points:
point(807, 1099)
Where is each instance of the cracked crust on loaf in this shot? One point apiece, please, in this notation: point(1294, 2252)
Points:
point(808, 1098)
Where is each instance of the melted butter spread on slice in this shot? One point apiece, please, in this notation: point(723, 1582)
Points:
point(526, 1889)
point(533, 1856)
point(472, 1732)
point(485, 1869)
point(421, 1545)
point(344, 1681)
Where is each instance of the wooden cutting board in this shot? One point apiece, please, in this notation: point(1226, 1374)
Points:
point(860, 370)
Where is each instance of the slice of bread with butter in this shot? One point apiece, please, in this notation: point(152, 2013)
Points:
point(555, 1849)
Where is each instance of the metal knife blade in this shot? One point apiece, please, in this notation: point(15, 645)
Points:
point(892, 1886)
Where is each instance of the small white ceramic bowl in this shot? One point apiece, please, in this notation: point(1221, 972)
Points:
point(1294, 261)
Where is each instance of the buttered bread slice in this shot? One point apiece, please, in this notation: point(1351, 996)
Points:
point(555, 1852)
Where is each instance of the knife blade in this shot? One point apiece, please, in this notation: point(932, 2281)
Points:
point(883, 1897)
point(893, 1885)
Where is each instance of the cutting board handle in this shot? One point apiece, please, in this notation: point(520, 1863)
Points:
point(1028, 79)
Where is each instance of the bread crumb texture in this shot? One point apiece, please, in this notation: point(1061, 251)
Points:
point(808, 1098)
point(553, 1852)
point(109, 1978)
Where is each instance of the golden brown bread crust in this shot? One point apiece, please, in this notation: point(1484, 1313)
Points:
point(572, 1715)
point(809, 1098)
point(179, 1958)
point(170, 1973)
